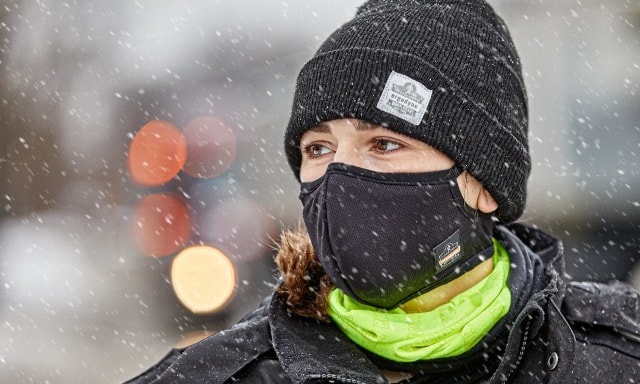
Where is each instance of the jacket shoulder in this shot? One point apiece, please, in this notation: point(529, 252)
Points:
point(240, 353)
point(605, 314)
point(593, 337)
point(605, 319)
point(152, 373)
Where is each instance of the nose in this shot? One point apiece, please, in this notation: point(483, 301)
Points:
point(348, 154)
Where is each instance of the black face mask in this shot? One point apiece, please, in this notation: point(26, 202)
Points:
point(386, 238)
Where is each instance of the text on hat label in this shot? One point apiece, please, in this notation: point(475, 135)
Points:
point(405, 98)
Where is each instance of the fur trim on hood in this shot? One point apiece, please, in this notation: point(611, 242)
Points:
point(305, 285)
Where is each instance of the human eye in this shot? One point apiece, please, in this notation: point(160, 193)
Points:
point(315, 150)
point(385, 145)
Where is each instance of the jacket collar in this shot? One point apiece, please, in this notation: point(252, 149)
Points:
point(310, 350)
point(543, 303)
point(549, 249)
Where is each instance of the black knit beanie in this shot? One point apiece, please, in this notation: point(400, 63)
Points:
point(444, 72)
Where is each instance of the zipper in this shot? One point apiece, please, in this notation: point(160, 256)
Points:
point(523, 347)
point(332, 378)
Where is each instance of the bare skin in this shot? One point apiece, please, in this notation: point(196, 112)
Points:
point(373, 147)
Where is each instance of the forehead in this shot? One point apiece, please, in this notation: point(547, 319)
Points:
point(326, 127)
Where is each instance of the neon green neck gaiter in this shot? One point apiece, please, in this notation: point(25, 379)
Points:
point(448, 330)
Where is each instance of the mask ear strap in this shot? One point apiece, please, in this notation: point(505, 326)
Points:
point(457, 170)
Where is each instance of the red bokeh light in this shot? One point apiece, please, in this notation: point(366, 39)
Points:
point(162, 225)
point(211, 147)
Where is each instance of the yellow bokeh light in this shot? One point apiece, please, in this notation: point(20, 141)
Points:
point(203, 279)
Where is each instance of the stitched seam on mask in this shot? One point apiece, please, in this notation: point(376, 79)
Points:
point(334, 259)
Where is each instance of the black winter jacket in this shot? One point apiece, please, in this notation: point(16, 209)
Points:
point(562, 333)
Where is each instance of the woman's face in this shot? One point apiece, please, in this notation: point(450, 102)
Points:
point(369, 146)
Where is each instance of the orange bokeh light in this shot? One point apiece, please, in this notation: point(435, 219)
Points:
point(157, 153)
point(211, 147)
point(162, 225)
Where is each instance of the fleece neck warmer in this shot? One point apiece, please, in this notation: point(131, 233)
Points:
point(446, 331)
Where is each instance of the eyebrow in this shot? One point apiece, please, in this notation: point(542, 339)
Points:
point(322, 128)
point(359, 126)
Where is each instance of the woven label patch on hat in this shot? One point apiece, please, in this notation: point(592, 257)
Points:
point(405, 98)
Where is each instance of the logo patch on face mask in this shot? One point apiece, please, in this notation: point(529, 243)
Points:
point(405, 98)
point(447, 252)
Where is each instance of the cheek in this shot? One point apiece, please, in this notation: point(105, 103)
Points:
point(311, 172)
point(415, 162)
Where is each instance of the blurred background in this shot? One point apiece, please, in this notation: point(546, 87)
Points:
point(87, 290)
